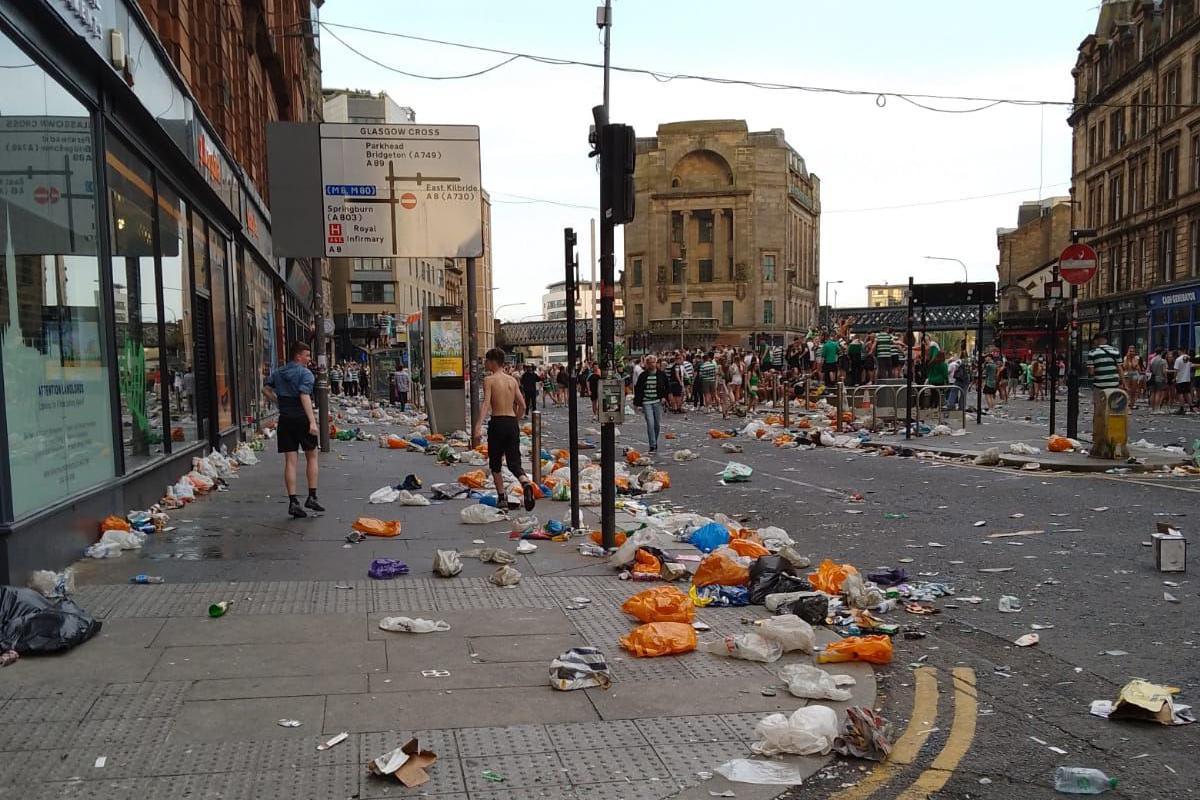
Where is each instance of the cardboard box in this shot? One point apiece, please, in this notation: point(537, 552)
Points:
point(406, 764)
point(1170, 549)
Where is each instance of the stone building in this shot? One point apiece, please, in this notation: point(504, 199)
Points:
point(725, 243)
point(1027, 257)
point(882, 295)
point(1136, 171)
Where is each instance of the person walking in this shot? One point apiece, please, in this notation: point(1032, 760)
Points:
point(291, 388)
point(335, 378)
point(529, 388)
point(648, 393)
point(829, 358)
point(1132, 375)
point(1183, 380)
point(350, 380)
point(708, 379)
point(1158, 380)
point(675, 384)
point(403, 382)
point(502, 402)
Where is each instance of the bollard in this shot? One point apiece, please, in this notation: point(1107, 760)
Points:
point(536, 446)
point(841, 402)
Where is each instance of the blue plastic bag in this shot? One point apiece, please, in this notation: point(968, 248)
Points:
point(490, 500)
point(719, 595)
point(419, 441)
point(555, 526)
point(709, 537)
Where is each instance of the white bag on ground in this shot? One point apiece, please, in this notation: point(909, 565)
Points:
point(809, 731)
point(748, 646)
point(505, 576)
point(774, 538)
point(411, 625)
point(479, 514)
point(126, 540)
point(624, 554)
point(762, 773)
point(447, 563)
point(684, 455)
point(989, 457)
point(407, 498)
point(384, 494)
point(814, 683)
point(790, 631)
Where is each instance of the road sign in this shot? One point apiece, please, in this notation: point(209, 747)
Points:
point(1077, 264)
point(406, 191)
point(329, 327)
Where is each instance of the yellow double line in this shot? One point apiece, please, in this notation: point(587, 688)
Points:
point(921, 724)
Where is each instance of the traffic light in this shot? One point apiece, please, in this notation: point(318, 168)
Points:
point(618, 155)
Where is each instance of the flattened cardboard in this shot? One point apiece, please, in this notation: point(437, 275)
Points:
point(406, 764)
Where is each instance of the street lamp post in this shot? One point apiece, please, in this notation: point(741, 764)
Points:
point(829, 320)
point(966, 279)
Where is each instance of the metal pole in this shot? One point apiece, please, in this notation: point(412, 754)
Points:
point(979, 372)
point(536, 445)
point(1073, 359)
point(572, 389)
point(472, 347)
point(1053, 366)
point(908, 361)
point(322, 384)
point(608, 442)
point(592, 308)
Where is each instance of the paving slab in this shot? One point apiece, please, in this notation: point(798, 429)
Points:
point(483, 621)
point(262, 629)
point(245, 718)
point(464, 676)
point(631, 699)
point(267, 660)
point(536, 647)
point(458, 708)
point(61, 669)
point(234, 688)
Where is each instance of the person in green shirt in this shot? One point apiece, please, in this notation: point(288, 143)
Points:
point(829, 357)
point(938, 374)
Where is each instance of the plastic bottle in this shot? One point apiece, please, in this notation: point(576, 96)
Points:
point(1010, 604)
point(218, 609)
point(144, 578)
point(748, 646)
point(1082, 780)
point(886, 606)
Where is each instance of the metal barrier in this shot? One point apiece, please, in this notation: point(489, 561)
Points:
point(935, 391)
point(535, 446)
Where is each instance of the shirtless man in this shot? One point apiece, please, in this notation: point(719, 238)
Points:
point(502, 400)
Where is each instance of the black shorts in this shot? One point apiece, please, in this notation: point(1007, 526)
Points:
point(830, 374)
point(989, 390)
point(885, 362)
point(504, 444)
point(676, 390)
point(292, 434)
point(1183, 387)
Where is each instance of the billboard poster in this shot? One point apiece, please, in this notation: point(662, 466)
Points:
point(445, 349)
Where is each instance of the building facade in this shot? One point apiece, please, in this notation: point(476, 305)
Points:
point(140, 300)
point(882, 295)
point(1136, 171)
point(1027, 257)
point(725, 244)
point(587, 306)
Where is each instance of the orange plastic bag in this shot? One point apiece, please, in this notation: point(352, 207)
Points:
point(113, 523)
point(632, 456)
point(774, 419)
point(749, 549)
point(622, 482)
point(646, 564)
point(475, 479)
point(397, 444)
point(872, 649)
point(760, 433)
point(829, 576)
point(847, 416)
point(660, 604)
point(527, 430)
point(618, 537)
point(717, 567)
point(1058, 444)
point(377, 527)
point(481, 449)
point(561, 455)
point(660, 639)
point(662, 477)
point(436, 437)
point(805, 424)
point(716, 434)
point(782, 439)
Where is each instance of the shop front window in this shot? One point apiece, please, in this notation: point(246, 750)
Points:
point(176, 356)
point(52, 321)
point(218, 248)
point(135, 304)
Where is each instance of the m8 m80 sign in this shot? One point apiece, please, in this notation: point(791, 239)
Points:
point(401, 191)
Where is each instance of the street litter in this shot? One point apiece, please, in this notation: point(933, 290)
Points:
point(377, 527)
point(660, 604)
point(1009, 604)
point(479, 514)
point(814, 683)
point(408, 498)
point(505, 577)
point(413, 625)
point(872, 649)
point(763, 773)
point(809, 731)
point(384, 494)
point(407, 764)
point(993, 570)
point(790, 631)
point(1020, 448)
point(1079, 780)
point(1170, 598)
point(1147, 702)
point(660, 639)
point(525, 547)
point(447, 563)
point(1028, 640)
point(747, 646)
point(289, 723)
point(980, 523)
point(735, 472)
point(494, 555)
point(865, 735)
point(685, 455)
point(219, 609)
point(988, 458)
point(580, 668)
point(386, 568)
point(334, 741)
point(52, 585)
point(32, 623)
point(1014, 533)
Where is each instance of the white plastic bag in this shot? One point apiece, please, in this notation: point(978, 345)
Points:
point(1020, 448)
point(411, 625)
point(505, 576)
point(184, 491)
point(988, 458)
point(384, 494)
point(763, 773)
point(861, 593)
point(126, 540)
point(790, 631)
point(747, 646)
point(447, 563)
point(624, 554)
point(100, 550)
point(479, 514)
point(407, 498)
point(814, 683)
point(52, 584)
point(774, 538)
point(525, 547)
point(809, 731)
point(684, 455)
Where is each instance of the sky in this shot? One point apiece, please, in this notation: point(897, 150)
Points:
point(870, 155)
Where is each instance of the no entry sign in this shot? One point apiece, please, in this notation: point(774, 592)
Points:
point(1077, 264)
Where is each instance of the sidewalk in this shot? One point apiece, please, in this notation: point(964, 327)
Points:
point(178, 704)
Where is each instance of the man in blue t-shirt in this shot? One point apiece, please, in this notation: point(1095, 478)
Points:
point(291, 388)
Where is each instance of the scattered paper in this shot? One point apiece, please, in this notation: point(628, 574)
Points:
point(1028, 640)
point(289, 723)
point(1014, 533)
point(101, 761)
point(336, 740)
point(996, 569)
point(980, 523)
